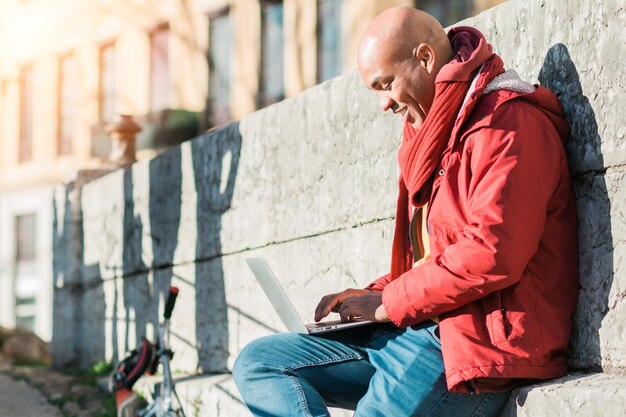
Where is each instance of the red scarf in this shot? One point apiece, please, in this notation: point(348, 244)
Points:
point(421, 150)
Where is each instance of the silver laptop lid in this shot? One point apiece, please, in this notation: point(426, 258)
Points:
point(276, 294)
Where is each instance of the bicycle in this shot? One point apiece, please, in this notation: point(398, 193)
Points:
point(145, 360)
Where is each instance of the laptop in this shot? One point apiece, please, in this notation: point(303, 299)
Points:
point(285, 309)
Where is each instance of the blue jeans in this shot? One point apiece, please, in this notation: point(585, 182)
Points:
point(377, 370)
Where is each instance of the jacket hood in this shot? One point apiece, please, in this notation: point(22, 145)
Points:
point(492, 77)
point(471, 51)
point(549, 104)
point(538, 96)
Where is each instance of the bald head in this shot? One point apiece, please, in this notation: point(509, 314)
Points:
point(397, 31)
point(399, 56)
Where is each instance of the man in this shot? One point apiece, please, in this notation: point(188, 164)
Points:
point(483, 275)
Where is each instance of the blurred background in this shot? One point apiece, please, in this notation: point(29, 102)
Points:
point(178, 67)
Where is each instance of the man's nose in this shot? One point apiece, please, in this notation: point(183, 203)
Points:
point(386, 103)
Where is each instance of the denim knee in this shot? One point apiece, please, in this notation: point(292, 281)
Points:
point(243, 364)
point(251, 361)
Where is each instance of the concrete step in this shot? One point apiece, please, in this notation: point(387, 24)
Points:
point(210, 396)
point(576, 395)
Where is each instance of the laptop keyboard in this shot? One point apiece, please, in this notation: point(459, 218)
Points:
point(323, 324)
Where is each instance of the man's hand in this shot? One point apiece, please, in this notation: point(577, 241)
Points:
point(333, 302)
point(353, 303)
point(367, 307)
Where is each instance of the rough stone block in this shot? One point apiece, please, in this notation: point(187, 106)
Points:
point(322, 161)
point(307, 269)
point(577, 395)
point(63, 344)
point(89, 332)
point(102, 210)
point(221, 306)
point(599, 333)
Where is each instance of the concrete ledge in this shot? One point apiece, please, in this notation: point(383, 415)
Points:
point(210, 395)
point(576, 395)
point(202, 395)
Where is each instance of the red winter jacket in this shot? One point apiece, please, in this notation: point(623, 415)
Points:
point(502, 275)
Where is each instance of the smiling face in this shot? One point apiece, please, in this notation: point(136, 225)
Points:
point(404, 85)
point(399, 58)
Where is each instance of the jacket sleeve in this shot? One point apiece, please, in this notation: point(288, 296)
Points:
point(514, 170)
point(380, 283)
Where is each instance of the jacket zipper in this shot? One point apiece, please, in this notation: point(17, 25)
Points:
point(505, 323)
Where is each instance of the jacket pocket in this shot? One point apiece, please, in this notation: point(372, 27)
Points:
point(497, 321)
point(441, 236)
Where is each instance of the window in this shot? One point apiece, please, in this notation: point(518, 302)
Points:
point(67, 103)
point(220, 46)
point(25, 238)
point(25, 255)
point(329, 52)
point(447, 12)
point(26, 114)
point(271, 88)
point(26, 322)
point(159, 69)
point(107, 83)
point(25, 309)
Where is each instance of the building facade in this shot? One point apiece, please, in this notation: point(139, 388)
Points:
point(67, 68)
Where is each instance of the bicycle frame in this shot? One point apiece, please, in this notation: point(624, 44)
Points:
point(162, 404)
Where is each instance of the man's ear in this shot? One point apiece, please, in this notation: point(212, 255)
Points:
point(425, 56)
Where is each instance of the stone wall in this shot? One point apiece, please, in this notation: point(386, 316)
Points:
point(309, 184)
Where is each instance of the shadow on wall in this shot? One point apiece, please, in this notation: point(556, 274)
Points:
point(166, 181)
point(135, 286)
point(559, 75)
point(78, 325)
point(215, 158)
point(142, 296)
point(215, 163)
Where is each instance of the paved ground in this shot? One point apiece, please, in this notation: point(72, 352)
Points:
point(40, 391)
point(18, 399)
